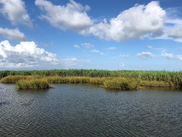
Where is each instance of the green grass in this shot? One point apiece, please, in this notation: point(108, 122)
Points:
point(33, 84)
point(12, 79)
point(154, 83)
point(16, 78)
point(97, 80)
point(122, 82)
point(174, 77)
point(57, 79)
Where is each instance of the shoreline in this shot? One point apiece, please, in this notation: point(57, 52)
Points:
point(120, 83)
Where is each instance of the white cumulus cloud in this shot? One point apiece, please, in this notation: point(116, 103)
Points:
point(170, 55)
point(73, 16)
point(133, 23)
point(146, 55)
point(173, 26)
point(16, 12)
point(12, 34)
point(25, 54)
point(167, 55)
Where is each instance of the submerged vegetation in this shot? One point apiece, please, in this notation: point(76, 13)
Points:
point(121, 79)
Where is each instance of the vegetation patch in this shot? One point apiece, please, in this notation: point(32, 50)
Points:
point(16, 78)
point(33, 84)
point(58, 79)
point(121, 83)
point(12, 79)
point(97, 80)
point(145, 83)
point(121, 79)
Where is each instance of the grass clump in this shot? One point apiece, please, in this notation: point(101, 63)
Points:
point(33, 84)
point(121, 83)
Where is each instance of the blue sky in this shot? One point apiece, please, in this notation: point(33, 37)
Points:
point(80, 34)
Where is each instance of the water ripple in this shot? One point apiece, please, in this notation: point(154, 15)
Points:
point(80, 110)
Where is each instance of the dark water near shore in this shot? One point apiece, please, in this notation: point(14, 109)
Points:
point(82, 110)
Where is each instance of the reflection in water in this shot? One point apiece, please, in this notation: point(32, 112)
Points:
point(83, 110)
point(32, 91)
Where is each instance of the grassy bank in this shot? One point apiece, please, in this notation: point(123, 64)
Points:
point(16, 78)
point(127, 83)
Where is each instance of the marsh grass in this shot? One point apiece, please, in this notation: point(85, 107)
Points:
point(97, 80)
point(12, 79)
point(33, 84)
point(75, 80)
point(121, 83)
point(168, 76)
point(37, 81)
point(58, 80)
point(16, 78)
point(154, 83)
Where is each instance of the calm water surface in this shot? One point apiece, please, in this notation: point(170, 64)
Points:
point(82, 110)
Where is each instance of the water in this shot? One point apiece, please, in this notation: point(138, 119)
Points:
point(82, 110)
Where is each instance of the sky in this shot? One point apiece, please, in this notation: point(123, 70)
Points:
point(91, 34)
